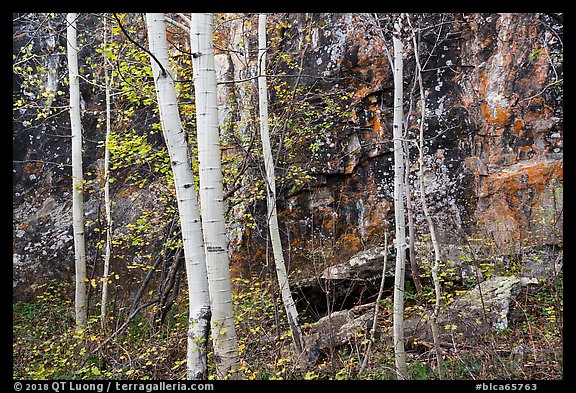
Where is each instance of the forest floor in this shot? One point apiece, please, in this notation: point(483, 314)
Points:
point(47, 346)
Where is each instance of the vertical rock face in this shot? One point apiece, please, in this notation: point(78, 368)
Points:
point(517, 150)
point(42, 231)
point(522, 204)
point(493, 149)
point(43, 246)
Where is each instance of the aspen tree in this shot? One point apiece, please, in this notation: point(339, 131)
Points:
point(289, 305)
point(223, 332)
point(108, 249)
point(434, 271)
point(77, 175)
point(398, 324)
point(179, 151)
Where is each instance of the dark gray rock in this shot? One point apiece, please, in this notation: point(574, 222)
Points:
point(365, 265)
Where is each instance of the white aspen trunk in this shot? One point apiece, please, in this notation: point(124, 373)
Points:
point(108, 249)
point(175, 137)
point(398, 324)
point(77, 176)
point(435, 267)
point(224, 338)
point(289, 304)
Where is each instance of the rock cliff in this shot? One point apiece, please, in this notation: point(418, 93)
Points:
point(494, 142)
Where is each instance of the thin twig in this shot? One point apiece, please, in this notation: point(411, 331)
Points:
point(164, 73)
point(434, 317)
point(118, 331)
point(543, 90)
point(376, 308)
point(40, 161)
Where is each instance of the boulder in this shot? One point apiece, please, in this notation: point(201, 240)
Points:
point(336, 329)
point(365, 265)
point(489, 299)
point(477, 311)
point(347, 284)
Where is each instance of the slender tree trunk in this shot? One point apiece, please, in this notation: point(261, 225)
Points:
point(77, 176)
point(181, 163)
point(211, 197)
point(376, 309)
point(411, 232)
point(398, 324)
point(108, 250)
point(289, 305)
point(435, 267)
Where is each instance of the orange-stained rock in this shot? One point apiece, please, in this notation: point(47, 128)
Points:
point(516, 206)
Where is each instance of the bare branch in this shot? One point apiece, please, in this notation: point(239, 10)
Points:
point(177, 24)
point(186, 19)
point(551, 84)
